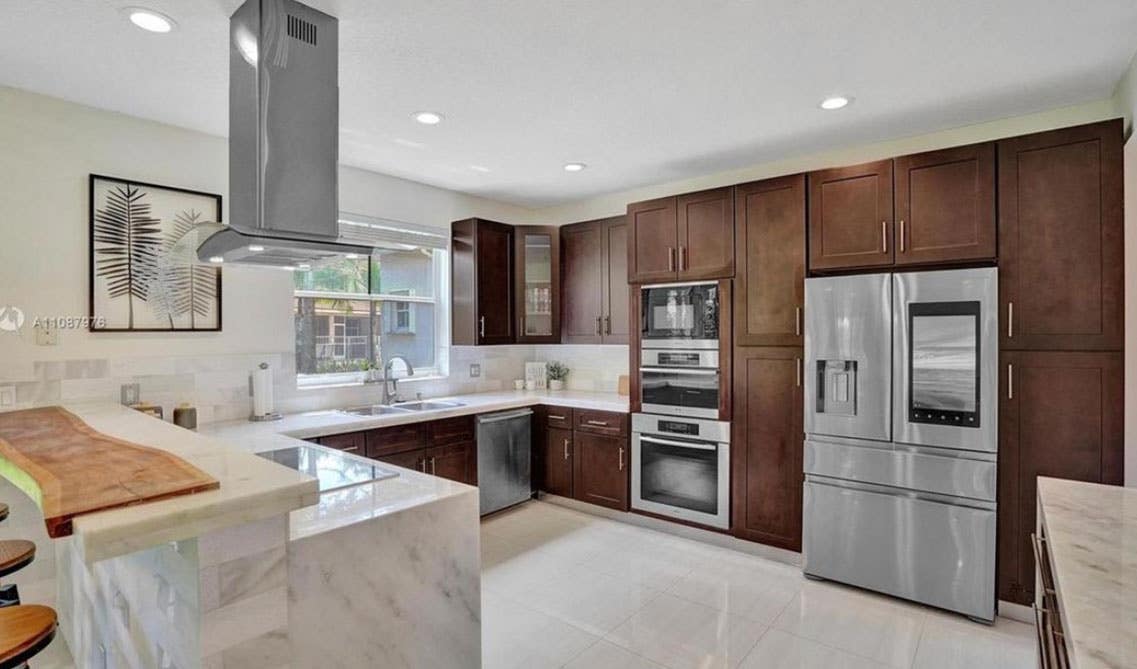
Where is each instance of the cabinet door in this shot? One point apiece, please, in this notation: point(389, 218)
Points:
point(353, 442)
point(850, 216)
point(457, 462)
point(653, 241)
point(767, 445)
point(495, 283)
point(1060, 239)
point(415, 460)
point(582, 253)
point(945, 205)
point(615, 281)
point(537, 256)
point(558, 462)
point(1060, 415)
point(706, 235)
point(600, 470)
point(770, 283)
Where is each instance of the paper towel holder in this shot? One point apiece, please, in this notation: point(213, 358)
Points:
point(253, 415)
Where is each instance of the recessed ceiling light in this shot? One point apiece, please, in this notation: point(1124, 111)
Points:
point(479, 168)
point(574, 167)
point(216, 260)
point(351, 256)
point(150, 20)
point(428, 117)
point(256, 248)
point(835, 102)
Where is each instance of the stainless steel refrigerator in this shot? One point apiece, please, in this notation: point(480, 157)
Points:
point(902, 435)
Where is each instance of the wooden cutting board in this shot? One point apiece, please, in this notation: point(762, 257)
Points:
point(70, 469)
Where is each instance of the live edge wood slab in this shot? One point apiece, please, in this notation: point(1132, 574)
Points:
point(70, 469)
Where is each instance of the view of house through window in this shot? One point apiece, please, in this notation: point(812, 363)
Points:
point(352, 314)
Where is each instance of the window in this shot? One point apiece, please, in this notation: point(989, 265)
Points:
point(353, 314)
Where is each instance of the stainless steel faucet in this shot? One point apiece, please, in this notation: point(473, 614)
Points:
point(391, 385)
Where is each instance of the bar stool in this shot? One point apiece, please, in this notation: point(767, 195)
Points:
point(15, 554)
point(24, 632)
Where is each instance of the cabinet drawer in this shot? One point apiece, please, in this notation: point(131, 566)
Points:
point(601, 422)
point(451, 430)
point(559, 417)
point(353, 442)
point(387, 440)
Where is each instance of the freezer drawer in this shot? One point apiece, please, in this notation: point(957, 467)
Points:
point(927, 551)
point(941, 471)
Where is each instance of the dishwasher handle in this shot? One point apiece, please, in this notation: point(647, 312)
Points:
point(507, 415)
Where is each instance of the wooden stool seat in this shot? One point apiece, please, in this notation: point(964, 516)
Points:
point(15, 554)
point(24, 632)
point(3, 511)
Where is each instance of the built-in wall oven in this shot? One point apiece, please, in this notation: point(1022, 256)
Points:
point(680, 382)
point(681, 468)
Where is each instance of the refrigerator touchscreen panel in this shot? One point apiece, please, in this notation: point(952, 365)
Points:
point(944, 355)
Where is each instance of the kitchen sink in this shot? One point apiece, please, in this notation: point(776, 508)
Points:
point(428, 405)
point(375, 410)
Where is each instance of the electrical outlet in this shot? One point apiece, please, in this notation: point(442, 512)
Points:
point(475, 370)
point(7, 396)
point(47, 335)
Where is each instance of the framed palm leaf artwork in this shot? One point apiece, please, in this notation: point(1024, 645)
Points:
point(141, 279)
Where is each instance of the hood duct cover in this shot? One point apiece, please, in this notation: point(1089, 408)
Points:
point(283, 138)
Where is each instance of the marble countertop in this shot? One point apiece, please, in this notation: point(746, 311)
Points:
point(252, 488)
point(1091, 533)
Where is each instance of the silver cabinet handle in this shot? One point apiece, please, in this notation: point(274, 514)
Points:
point(433, 469)
point(1010, 381)
point(556, 417)
point(608, 324)
point(601, 423)
point(683, 260)
point(422, 465)
point(1010, 320)
point(599, 328)
point(350, 449)
point(797, 366)
point(902, 235)
point(566, 449)
point(482, 326)
point(884, 236)
point(621, 458)
point(797, 321)
point(520, 326)
point(670, 259)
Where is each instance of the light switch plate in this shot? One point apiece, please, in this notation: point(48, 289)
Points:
point(7, 396)
point(475, 370)
point(46, 335)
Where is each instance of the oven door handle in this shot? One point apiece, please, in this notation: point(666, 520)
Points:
point(680, 444)
point(680, 370)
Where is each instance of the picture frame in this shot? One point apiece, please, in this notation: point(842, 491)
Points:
point(135, 281)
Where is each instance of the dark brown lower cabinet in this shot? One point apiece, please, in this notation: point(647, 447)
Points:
point(600, 469)
point(557, 465)
point(408, 459)
point(457, 462)
point(766, 443)
point(1060, 415)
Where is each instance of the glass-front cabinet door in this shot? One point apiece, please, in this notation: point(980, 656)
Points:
point(538, 259)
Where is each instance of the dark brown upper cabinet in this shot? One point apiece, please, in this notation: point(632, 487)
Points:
point(1061, 260)
point(684, 238)
point(537, 255)
point(481, 283)
point(850, 217)
point(769, 233)
point(594, 275)
point(945, 205)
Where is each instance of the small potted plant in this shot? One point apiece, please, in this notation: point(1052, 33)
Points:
point(371, 373)
point(557, 375)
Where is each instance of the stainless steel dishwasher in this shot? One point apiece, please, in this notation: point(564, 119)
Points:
point(504, 459)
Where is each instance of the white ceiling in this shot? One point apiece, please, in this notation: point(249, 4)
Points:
point(643, 91)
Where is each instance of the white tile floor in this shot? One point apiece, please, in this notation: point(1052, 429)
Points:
point(562, 588)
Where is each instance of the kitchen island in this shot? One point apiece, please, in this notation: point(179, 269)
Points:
point(1089, 549)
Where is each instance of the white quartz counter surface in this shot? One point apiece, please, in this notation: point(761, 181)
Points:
point(411, 488)
point(252, 488)
point(1091, 533)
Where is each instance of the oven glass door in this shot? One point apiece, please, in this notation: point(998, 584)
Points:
point(680, 312)
point(685, 392)
point(943, 361)
point(679, 475)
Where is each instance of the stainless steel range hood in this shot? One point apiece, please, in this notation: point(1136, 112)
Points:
point(283, 138)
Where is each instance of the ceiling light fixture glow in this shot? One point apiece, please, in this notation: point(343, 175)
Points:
point(256, 248)
point(428, 117)
point(216, 260)
point(150, 20)
point(351, 256)
point(835, 102)
point(303, 266)
point(574, 167)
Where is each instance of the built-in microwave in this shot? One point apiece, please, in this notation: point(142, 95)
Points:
point(680, 315)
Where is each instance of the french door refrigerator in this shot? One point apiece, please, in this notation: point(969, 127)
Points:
point(901, 435)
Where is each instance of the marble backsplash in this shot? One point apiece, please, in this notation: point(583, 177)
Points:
point(218, 384)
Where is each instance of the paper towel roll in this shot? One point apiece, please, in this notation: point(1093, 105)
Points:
point(261, 388)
